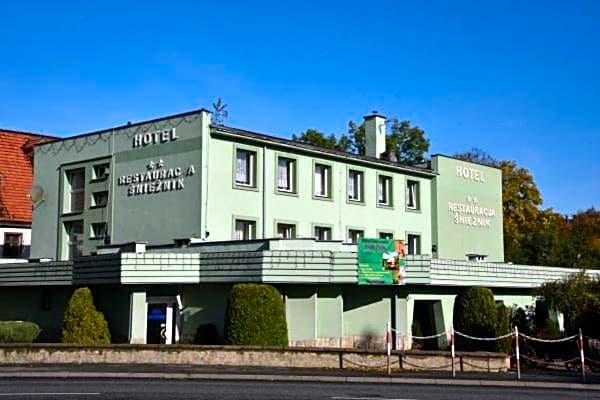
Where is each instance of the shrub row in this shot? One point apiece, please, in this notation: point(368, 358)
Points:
point(18, 332)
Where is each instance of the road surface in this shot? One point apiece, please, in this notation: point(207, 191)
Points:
point(66, 389)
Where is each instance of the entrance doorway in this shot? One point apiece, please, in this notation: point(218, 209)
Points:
point(162, 320)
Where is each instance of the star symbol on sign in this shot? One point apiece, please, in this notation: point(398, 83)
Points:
point(160, 163)
point(150, 165)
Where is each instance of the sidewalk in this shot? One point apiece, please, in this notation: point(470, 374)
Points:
point(538, 379)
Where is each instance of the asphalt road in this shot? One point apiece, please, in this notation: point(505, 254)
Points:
point(40, 389)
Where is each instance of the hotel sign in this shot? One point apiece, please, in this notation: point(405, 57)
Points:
point(156, 137)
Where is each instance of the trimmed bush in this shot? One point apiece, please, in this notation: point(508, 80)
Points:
point(82, 323)
point(18, 332)
point(255, 316)
point(502, 328)
point(475, 314)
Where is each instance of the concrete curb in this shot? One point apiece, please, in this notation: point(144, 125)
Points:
point(300, 378)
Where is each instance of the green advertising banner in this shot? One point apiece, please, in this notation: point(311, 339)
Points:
point(381, 262)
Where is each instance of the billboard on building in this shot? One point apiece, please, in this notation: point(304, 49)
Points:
point(381, 262)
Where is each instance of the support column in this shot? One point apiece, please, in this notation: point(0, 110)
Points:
point(404, 317)
point(137, 318)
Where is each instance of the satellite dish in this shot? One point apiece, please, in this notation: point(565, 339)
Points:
point(36, 193)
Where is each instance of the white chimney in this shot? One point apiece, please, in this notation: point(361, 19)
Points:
point(374, 135)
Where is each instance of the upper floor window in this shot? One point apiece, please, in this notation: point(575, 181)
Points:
point(286, 174)
point(101, 171)
point(476, 257)
point(386, 235)
point(384, 190)
point(74, 230)
point(355, 185)
point(100, 199)
point(412, 195)
point(286, 231)
point(322, 178)
point(244, 229)
point(76, 189)
point(13, 245)
point(245, 168)
point(414, 244)
point(99, 230)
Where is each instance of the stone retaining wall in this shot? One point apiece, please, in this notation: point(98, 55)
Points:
point(248, 356)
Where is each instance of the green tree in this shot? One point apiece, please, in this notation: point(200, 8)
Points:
point(317, 138)
point(475, 314)
point(255, 316)
point(82, 323)
point(584, 243)
point(578, 298)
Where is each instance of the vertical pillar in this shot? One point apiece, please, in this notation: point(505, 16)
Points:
point(404, 317)
point(137, 317)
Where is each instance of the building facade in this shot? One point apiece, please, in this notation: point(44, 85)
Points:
point(160, 218)
point(16, 176)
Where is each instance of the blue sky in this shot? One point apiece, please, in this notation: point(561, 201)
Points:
point(517, 79)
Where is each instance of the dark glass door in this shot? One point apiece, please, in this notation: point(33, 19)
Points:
point(156, 324)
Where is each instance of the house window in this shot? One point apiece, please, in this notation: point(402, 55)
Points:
point(13, 245)
point(99, 230)
point(286, 174)
point(76, 183)
point(245, 229)
point(74, 231)
point(245, 167)
point(386, 235)
point(476, 257)
point(101, 171)
point(355, 182)
point(354, 235)
point(322, 180)
point(412, 195)
point(384, 190)
point(100, 199)
point(286, 231)
point(414, 244)
point(322, 233)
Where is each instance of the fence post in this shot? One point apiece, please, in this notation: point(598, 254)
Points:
point(517, 351)
point(582, 355)
point(388, 344)
point(453, 353)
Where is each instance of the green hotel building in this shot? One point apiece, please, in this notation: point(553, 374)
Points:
point(161, 218)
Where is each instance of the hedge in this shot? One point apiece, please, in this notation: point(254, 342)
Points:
point(476, 314)
point(255, 316)
point(18, 331)
point(82, 323)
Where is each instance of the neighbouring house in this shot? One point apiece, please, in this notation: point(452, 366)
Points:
point(16, 177)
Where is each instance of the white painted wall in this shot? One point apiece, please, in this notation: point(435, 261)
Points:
point(26, 232)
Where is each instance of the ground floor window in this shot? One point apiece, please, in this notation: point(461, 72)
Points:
point(245, 229)
point(322, 233)
point(354, 235)
point(74, 231)
point(286, 231)
point(13, 245)
point(414, 244)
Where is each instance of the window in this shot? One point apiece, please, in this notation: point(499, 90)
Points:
point(245, 168)
point(286, 174)
point(100, 199)
point(322, 233)
point(286, 231)
point(322, 180)
point(245, 229)
point(354, 235)
point(99, 230)
point(386, 235)
point(101, 171)
point(476, 257)
point(74, 231)
point(13, 245)
point(414, 244)
point(355, 182)
point(384, 190)
point(412, 195)
point(76, 183)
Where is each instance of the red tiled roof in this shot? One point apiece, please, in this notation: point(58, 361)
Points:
point(16, 174)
